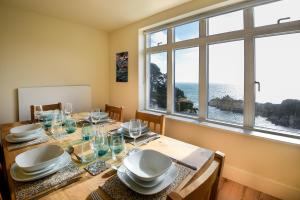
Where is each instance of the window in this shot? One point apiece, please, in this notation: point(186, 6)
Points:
point(158, 81)
point(224, 23)
point(286, 11)
point(229, 67)
point(226, 82)
point(278, 70)
point(187, 81)
point(186, 31)
point(158, 38)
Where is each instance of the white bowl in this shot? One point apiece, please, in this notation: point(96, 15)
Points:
point(39, 158)
point(25, 130)
point(147, 165)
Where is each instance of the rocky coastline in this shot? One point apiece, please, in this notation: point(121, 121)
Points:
point(287, 113)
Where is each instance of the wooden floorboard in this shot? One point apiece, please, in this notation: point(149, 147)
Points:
point(230, 190)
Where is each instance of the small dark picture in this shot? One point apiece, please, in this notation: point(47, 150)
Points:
point(122, 67)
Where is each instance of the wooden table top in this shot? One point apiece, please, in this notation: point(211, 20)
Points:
point(87, 184)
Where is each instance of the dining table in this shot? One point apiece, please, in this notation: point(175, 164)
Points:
point(87, 185)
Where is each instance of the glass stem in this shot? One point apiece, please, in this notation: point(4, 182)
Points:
point(134, 142)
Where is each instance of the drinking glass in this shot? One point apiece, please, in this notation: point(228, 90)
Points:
point(57, 129)
point(70, 125)
point(38, 111)
point(118, 149)
point(68, 109)
point(95, 115)
point(135, 131)
point(87, 132)
point(100, 144)
point(47, 119)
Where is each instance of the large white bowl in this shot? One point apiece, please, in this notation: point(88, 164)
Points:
point(39, 158)
point(25, 130)
point(147, 165)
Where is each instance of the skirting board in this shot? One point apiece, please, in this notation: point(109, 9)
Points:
point(260, 183)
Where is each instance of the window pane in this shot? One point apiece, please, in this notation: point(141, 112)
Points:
point(224, 23)
point(187, 81)
point(275, 11)
point(226, 82)
point(277, 70)
point(158, 38)
point(187, 31)
point(158, 81)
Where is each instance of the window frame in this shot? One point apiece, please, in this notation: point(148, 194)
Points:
point(247, 34)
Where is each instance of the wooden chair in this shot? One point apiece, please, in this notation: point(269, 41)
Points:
point(57, 106)
point(154, 119)
point(114, 112)
point(203, 186)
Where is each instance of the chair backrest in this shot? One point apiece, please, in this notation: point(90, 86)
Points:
point(153, 121)
point(114, 112)
point(205, 186)
point(57, 106)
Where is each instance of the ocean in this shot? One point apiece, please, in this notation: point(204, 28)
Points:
point(191, 91)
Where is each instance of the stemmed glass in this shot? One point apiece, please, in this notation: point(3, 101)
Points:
point(95, 115)
point(135, 131)
point(38, 111)
point(68, 109)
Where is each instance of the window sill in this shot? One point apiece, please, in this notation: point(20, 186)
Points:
point(239, 130)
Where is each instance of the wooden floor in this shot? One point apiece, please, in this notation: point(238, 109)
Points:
point(230, 190)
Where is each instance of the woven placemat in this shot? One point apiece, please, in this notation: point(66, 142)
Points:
point(143, 138)
point(118, 191)
point(43, 138)
point(30, 189)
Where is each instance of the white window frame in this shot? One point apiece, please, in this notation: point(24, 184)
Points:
point(248, 34)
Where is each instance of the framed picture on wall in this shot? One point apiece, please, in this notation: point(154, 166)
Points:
point(122, 67)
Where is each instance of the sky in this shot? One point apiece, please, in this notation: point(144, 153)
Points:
point(277, 58)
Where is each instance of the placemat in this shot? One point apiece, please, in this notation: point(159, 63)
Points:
point(142, 139)
point(118, 191)
point(30, 189)
point(12, 146)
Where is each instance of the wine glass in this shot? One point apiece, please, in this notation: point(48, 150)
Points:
point(38, 111)
point(95, 115)
point(68, 109)
point(135, 131)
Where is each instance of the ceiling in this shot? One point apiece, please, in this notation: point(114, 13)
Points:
point(106, 15)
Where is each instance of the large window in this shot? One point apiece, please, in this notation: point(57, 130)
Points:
point(238, 67)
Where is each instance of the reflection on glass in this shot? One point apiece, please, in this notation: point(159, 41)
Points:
point(186, 31)
point(275, 11)
point(186, 89)
point(158, 38)
point(226, 82)
point(158, 81)
point(225, 23)
point(277, 70)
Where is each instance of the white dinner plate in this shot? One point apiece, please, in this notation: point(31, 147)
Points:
point(25, 130)
point(145, 183)
point(10, 138)
point(50, 167)
point(169, 177)
point(19, 175)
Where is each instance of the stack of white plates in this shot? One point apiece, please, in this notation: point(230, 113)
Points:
point(24, 133)
point(39, 162)
point(147, 172)
point(125, 129)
